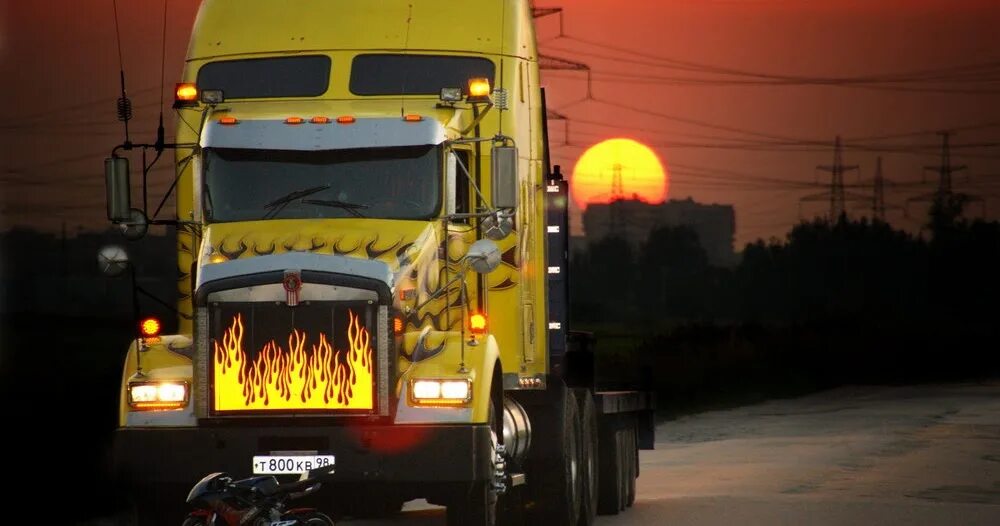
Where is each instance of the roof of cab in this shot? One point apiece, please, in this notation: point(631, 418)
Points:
point(245, 27)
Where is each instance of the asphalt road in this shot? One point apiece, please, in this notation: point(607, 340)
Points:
point(855, 456)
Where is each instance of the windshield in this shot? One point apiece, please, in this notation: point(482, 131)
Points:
point(386, 183)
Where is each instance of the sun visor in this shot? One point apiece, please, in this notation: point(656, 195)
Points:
point(280, 135)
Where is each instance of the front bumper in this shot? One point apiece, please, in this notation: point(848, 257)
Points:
point(384, 453)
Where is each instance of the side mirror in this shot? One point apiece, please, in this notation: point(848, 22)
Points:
point(119, 189)
point(483, 256)
point(112, 260)
point(504, 177)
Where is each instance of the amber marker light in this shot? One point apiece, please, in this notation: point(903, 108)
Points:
point(397, 325)
point(150, 327)
point(346, 119)
point(186, 93)
point(479, 88)
point(320, 120)
point(477, 323)
point(413, 118)
point(294, 120)
point(229, 121)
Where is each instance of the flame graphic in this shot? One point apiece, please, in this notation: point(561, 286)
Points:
point(280, 379)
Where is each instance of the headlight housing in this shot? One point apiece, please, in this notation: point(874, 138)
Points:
point(440, 391)
point(157, 396)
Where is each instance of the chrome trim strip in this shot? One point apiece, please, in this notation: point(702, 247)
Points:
point(364, 133)
point(309, 292)
point(201, 362)
point(383, 360)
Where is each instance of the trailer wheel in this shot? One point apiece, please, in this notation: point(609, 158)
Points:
point(555, 474)
point(588, 455)
point(610, 497)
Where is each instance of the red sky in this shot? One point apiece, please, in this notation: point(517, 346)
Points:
point(57, 56)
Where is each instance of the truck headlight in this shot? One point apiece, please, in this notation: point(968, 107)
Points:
point(440, 391)
point(154, 396)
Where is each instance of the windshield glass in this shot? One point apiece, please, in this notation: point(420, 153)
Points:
point(386, 183)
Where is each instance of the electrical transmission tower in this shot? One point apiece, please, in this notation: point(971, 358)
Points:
point(540, 12)
point(836, 195)
point(552, 63)
point(617, 188)
point(878, 199)
point(876, 203)
point(945, 195)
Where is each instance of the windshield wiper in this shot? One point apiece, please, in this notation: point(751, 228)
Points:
point(275, 207)
point(350, 207)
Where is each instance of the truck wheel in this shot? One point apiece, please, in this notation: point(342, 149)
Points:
point(476, 508)
point(633, 464)
point(478, 505)
point(555, 474)
point(610, 494)
point(623, 469)
point(588, 455)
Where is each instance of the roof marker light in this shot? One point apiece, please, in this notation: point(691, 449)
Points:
point(413, 118)
point(294, 120)
point(346, 119)
point(186, 92)
point(320, 120)
point(229, 121)
point(479, 89)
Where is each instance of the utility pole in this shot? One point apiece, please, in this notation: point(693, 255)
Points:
point(836, 195)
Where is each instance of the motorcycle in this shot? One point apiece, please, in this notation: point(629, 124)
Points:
point(256, 501)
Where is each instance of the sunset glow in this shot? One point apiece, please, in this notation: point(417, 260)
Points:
point(642, 175)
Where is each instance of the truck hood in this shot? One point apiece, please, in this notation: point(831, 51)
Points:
point(406, 249)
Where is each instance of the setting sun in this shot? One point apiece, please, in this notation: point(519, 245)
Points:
point(619, 169)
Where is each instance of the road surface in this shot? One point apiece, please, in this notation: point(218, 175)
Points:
point(854, 455)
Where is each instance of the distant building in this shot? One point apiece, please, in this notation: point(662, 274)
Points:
point(633, 220)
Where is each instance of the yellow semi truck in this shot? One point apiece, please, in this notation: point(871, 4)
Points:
point(372, 252)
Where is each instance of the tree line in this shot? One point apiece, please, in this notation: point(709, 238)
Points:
point(850, 301)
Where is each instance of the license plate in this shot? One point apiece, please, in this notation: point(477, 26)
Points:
point(289, 464)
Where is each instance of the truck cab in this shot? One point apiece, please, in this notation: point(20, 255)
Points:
point(367, 275)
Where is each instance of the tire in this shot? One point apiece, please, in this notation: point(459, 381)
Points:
point(478, 505)
point(554, 479)
point(476, 508)
point(588, 456)
point(373, 507)
point(610, 495)
point(631, 446)
point(312, 518)
point(623, 469)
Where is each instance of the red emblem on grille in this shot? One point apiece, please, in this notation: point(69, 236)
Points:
point(293, 285)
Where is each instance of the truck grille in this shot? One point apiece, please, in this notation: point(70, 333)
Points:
point(267, 358)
